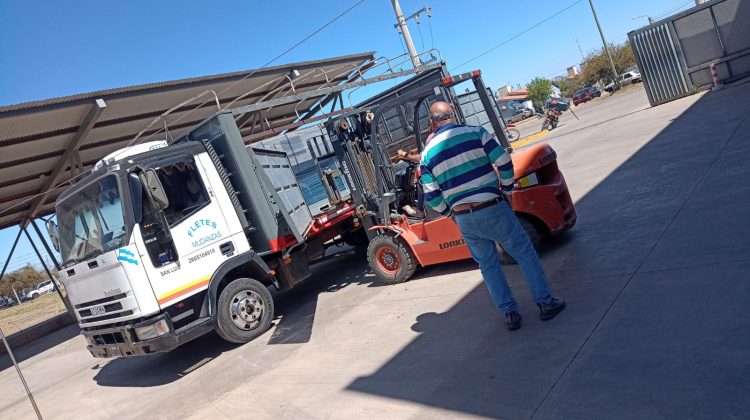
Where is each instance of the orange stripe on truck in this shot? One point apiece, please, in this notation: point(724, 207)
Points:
point(183, 290)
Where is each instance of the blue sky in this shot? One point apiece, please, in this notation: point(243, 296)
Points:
point(52, 48)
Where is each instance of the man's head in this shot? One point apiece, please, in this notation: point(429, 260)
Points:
point(441, 113)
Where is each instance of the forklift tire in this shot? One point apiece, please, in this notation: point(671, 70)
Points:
point(534, 236)
point(244, 311)
point(390, 260)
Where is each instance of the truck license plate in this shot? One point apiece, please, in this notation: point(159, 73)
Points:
point(98, 310)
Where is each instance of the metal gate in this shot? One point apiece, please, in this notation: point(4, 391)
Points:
point(674, 54)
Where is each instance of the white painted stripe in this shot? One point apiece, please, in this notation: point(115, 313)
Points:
point(183, 315)
point(489, 177)
point(458, 160)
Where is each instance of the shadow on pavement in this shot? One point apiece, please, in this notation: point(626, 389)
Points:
point(642, 337)
point(295, 315)
point(38, 346)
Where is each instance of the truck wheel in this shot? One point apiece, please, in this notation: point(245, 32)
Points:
point(244, 311)
point(534, 235)
point(35, 295)
point(390, 260)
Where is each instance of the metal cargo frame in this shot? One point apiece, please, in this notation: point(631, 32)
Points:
point(674, 55)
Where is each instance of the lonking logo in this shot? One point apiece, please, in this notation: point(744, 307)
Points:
point(203, 231)
point(451, 244)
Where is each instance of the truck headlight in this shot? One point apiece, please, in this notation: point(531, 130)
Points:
point(147, 332)
point(527, 181)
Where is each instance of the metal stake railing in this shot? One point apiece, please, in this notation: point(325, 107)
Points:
point(20, 375)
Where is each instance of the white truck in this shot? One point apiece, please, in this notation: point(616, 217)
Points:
point(163, 243)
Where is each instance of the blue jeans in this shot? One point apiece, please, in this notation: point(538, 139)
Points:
point(497, 223)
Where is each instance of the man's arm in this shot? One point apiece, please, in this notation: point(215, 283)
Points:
point(501, 159)
point(433, 195)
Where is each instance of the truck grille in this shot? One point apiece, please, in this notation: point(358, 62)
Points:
point(102, 300)
point(108, 316)
point(110, 308)
point(107, 308)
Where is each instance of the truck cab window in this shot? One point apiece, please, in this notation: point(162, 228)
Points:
point(186, 194)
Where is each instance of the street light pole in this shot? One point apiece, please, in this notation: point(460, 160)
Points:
point(404, 29)
point(604, 42)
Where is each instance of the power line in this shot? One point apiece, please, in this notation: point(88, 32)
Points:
point(671, 11)
point(288, 50)
point(419, 29)
point(429, 23)
point(518, 34)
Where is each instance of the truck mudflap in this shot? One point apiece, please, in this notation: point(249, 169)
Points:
point(123, 340)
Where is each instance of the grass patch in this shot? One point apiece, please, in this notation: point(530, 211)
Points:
point(31, 312)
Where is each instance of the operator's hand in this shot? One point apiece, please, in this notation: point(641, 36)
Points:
point(401, 153)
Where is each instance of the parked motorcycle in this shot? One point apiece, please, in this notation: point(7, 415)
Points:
point(512, 133)
point(551, 119)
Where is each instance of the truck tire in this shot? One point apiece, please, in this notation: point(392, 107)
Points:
point(244, 311)
point(390, 260)
point(35, 295)
point(534, 235)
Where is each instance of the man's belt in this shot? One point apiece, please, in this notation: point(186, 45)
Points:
point(478, 206)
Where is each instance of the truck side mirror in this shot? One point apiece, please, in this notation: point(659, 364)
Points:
point(54, 235)
point(154, 189)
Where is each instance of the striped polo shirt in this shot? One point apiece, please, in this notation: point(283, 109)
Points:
point(457, 167)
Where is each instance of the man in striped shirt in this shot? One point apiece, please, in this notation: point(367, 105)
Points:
point(460, 180)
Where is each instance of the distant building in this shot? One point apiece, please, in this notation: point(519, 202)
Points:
point(514, 101)
point(555, 91)
point(504, 90)
point(572, 72)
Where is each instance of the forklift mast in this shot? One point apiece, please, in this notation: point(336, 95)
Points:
point(364, 139)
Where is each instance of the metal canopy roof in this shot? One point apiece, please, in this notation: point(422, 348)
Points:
point(45, 143)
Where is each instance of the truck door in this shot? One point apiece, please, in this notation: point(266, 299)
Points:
point(182, 245)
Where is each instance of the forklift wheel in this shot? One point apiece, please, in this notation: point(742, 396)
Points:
point(390, 260)
point(534, 235)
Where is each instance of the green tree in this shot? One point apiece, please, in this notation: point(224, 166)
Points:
point(539, 90)
point(596, 66)
point(25, 278)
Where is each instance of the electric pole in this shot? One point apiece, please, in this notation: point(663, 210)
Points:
point(604, 42)
point(404, 29)
point(581, 51)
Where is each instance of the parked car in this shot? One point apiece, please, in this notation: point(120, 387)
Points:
point(559, 104)
point(627, 78)
point(7, 302)
point(586, 94)
point(520, 115)
point(41, 288)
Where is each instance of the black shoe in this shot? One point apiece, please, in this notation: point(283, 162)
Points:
point(549, 311)
point(513, 321)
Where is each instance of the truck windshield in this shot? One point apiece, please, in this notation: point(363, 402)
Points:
point(91, 221)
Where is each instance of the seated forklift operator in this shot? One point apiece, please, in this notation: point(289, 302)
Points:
point(460, 180)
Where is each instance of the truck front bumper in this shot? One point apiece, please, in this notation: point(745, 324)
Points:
point(122, 341)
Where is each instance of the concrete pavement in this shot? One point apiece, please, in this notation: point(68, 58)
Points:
point(655, 272)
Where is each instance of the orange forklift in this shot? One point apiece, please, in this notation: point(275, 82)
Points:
point(367, 139)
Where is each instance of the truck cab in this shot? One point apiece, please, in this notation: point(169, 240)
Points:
point(164, 242)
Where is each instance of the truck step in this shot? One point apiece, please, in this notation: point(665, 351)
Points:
point(194, 329)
